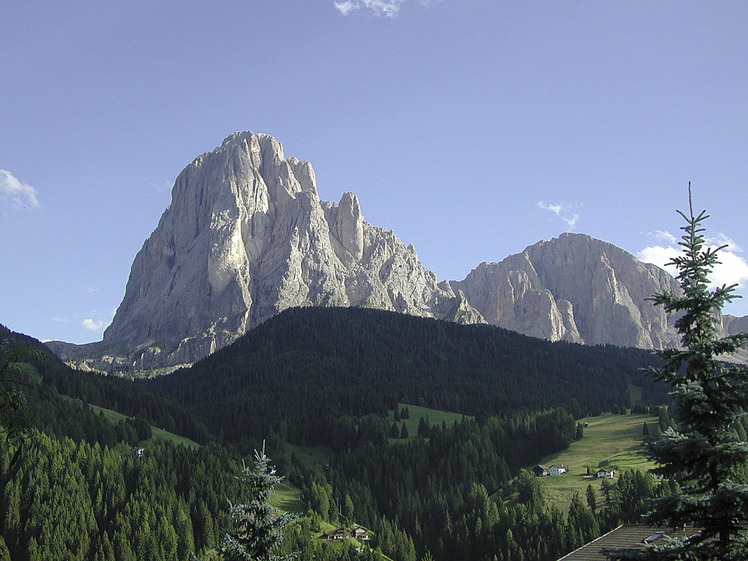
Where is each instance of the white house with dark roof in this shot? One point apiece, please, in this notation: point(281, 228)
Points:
point(557, 469)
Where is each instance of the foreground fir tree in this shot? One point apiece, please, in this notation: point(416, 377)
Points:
point(706, 454)
point(256, 527)
point(16, 418)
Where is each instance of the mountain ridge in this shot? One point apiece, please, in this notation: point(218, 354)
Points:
point(591, 291)
point(246, 236)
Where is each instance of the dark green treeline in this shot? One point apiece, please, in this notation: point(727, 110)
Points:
point(311, 377)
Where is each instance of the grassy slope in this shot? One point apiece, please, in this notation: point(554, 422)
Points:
point(157, 433)
point(285, 497)
point(433, 416)
point(312, 454)
point(613, 441)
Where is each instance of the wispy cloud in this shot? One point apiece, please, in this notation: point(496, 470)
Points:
point(93, 322)
point(14, 193)
point(163, 187)
point(380, 8)
point(732, 269)
point(563, 211)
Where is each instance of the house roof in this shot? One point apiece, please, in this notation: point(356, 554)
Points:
point(625, 536)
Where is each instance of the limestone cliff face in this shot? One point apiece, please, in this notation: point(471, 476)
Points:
point(732, 325)
point(245, 237)
point(574, 288)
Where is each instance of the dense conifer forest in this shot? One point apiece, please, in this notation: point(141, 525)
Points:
point(91, 489)
point(310, 372)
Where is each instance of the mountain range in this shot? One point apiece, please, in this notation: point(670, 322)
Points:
point(246, 236)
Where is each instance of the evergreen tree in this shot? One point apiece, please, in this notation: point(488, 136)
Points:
point(423, 427)
point(705, 454)
point(579, 434)
point(663, 421)
point(394, 433)
point(257, 526)
point(348, 509)
point(591, 498)
point(16, 418)
point(404, 431)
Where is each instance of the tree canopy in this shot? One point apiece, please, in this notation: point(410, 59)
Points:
point(257, 526)
point(706, 452)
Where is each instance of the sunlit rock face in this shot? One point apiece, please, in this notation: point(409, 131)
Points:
point(574, 288)
point(245, 237)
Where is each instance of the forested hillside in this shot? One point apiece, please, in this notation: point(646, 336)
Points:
point(318, 377)
point(85, 488)
point(304, 372)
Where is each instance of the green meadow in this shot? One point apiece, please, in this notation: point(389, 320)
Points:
point(156, 433)
point(287, 498)
point(610, 441)
point(433, 416)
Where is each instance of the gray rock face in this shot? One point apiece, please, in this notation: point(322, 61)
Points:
point(245, 237)
point(732, 325)
point(574, 288)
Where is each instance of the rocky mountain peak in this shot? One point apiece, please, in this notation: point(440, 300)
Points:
point(246, 236)
point(574, 288)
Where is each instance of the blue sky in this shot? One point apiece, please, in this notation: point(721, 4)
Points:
point(471, 128)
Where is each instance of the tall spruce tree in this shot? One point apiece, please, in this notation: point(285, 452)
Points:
point(705, 454)
point(256, 527)
point(16, 419)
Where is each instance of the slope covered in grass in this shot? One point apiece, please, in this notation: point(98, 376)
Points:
point(610, 441)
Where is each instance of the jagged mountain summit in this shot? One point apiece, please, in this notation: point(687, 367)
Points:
point(246, 236)
point(574, 288)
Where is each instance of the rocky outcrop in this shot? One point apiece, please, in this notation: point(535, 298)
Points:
point(732, 325)
point(245, 237)
point(574, 288)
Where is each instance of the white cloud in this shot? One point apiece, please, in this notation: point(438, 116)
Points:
point(93, 324)
point(732, 269)
point(721, 239)
point(17, 194)
point(555, 208)
point(563, 211)
point(666, 237)
point(659, 255)
point(381, 8)
point(59, 320)
point(163, 187)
